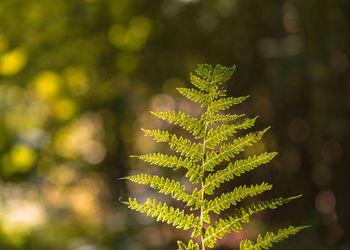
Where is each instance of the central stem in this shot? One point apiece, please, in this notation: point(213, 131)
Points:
point(202, 182)
point(202, 196)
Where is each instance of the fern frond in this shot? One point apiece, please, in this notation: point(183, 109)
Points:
point(180, 145)
point(169, 161)
point(215, 76)
point(211, 119)
point(270, 239)
point(239, 167)
point(226, 103)
point(192, 125)
point(165, 213)
point(195, 95)
point(172, 161)
point(197, 158)
point(242, 215)
point(200, 83)
point(221, 133)
point(195, 174)
point(164, 185)
point(190, 246)
point(227, 199)
point(205, 71)
point(222, 74)
point(229, 150)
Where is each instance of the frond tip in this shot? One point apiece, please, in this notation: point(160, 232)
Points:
point(270, 239)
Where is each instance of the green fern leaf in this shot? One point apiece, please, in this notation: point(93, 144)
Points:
point(165, 213)
point(169, 161)
point(192, 125)
point(164, 185)
point(200, 157)
point(226, 103)
point(211, 119)
point(180, 145)
point(172, 161)
point(200, 83)
point(239, 167)
point(270, 239)
point(242, 215)
point(195, 95)
point(229, 150)
point(222, 74)
point(205, 71)
point(220, 134)
point(190, 246)
point(167, 186)
point(227, 199)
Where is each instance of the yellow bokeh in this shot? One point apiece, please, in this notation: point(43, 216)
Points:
point(12, 62)
point(66, 142)
point(140, 28)
point(22, 157)
point(77, 80)
point(47, 84)
point(18, 218)
point(81, 138)
point(64, 109)
point(117, 35)
point(132, 37)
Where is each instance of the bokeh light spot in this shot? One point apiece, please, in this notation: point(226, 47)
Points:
point(162, 103)
point(325, 202)
point(78, 82)
point(47, 84)
point(62, 175)
point(12, 62)
point(139, 30)
point(22, 157)
point(19, 217)
point(81, 138)
point(132, 37)
point(94, 152)
point(171, 84)
point(117, 35)
point(65, 109)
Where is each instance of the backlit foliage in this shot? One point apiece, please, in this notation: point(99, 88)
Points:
point(212, 131)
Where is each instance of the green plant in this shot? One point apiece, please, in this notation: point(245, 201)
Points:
point(212, 131)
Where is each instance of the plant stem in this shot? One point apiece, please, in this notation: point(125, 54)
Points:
point(202, 182)
point(202, 196)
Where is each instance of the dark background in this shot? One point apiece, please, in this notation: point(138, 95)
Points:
point(77, 79)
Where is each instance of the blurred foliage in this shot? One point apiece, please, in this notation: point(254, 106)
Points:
point(77, 78)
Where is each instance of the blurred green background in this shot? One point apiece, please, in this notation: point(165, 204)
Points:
point(77, 79)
